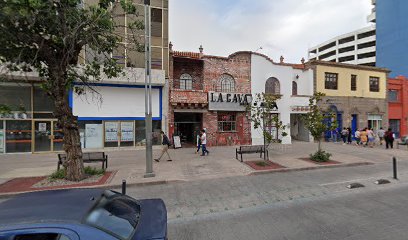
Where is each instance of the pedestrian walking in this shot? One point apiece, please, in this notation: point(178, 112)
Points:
point(165, 149)
point(198, 142)
point(363, 137)
point(381, 134)
point(357, 135)
point(389, 138)
point(349, 136)
point(204, 143)
point(344, 134)
point(371, 137)
point(334, 135)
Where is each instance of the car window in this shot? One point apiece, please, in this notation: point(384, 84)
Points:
point(118, 216)
point(41, 236)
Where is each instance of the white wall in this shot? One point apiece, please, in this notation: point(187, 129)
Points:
point(115, 102)
point(261, 70)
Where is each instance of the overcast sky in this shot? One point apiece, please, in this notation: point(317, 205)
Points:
point(280, 27)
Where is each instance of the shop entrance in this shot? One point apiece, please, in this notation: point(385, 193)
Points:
point(119, 134)
point(187, 126)
point(47, 136)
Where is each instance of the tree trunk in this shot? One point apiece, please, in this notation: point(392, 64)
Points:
point(74, 165)
point(319, 147)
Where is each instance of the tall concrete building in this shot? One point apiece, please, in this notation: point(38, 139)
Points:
point(392, 35)
point(115, 122)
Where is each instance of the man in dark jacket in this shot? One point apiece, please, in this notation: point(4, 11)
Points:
point(166, 144)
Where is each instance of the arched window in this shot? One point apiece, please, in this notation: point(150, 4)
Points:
point(186, 81)
point(226, 83)
point(272, 86)
point(294, 88)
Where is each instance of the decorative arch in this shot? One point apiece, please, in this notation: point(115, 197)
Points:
point(272, 86)
point(226, 83)
point(294, 88)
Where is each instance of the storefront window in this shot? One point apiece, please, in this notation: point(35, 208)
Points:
point(140, 133)
point(2, 137)
point(41, 101)
point(91, 133)
point(18, 98)
point(18, 136)
point(226, 122)
point(58, 138)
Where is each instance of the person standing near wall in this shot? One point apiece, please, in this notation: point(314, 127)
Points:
point(166, 143)
point(381, 134)
point(389, 138)
point(349, 135)
point(204, 143)
point(344, 134)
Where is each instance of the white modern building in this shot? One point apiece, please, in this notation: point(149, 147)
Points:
point(357, 47)
point(294, 83)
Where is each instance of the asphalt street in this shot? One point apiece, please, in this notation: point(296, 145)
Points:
point(379, 213)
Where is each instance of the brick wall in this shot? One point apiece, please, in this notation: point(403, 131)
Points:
point(205, 73)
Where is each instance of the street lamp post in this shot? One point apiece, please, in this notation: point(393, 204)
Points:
point(148, 91)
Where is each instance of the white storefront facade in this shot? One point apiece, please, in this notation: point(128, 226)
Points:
point(115, 116)
point(294, 84)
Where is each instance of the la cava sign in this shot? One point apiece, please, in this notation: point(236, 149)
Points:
point(228, 101)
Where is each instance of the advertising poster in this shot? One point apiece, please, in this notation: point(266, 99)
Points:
point(93, 136)
point(177, 142)
point(42, 127)
point(111, 131)
point(126, 129)
point(1, 141)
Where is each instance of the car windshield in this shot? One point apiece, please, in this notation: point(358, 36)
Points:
point(118, 215)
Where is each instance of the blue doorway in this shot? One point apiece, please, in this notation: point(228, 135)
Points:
point(354, 122)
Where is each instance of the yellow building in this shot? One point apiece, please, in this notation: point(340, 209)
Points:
point(357, 94)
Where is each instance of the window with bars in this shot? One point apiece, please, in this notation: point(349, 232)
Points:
point(294, 88)
point(353, 83)
point(186, 81)
point(330, 80)
point(227, 122)
point(226, 83)
point(374, 84)
point(272, 86)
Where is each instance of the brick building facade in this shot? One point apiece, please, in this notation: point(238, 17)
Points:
point(398, 105)
point(204, 92)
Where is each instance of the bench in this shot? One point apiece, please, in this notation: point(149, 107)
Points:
point(251, 149)
point(89, 157)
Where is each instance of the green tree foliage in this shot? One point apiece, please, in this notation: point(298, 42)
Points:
point(48, 37)
point(315, 120)
point(262, 113)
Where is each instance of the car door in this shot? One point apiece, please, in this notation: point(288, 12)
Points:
point(39, 233)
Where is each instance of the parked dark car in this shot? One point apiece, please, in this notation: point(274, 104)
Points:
point(88, 214)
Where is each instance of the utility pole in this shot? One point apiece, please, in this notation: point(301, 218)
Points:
point(148, 91)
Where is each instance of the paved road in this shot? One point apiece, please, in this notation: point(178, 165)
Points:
point(379, 213)
point(188, 199)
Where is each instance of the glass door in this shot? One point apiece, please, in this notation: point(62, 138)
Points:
point(111, 134)
point(2, 137)
point(127, 134)
point(57, 137)
point(42, 136)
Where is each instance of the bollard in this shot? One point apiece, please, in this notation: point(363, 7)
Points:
point(124, 187)
point(394, 166)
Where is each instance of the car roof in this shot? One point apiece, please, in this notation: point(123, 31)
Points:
point(59, 205)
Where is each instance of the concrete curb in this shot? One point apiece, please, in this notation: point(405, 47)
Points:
point(105, 186)
point(309, 168)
